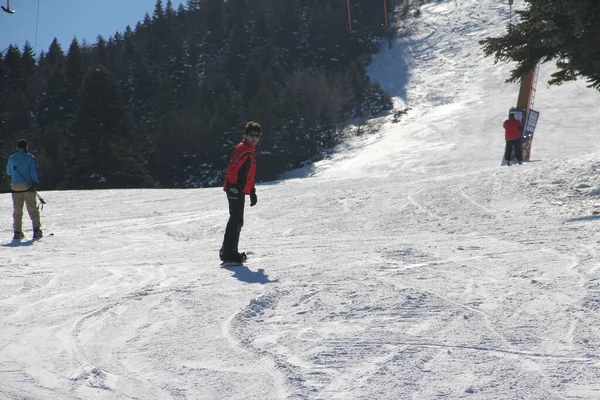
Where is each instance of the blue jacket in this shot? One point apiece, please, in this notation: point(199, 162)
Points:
point(27, 166)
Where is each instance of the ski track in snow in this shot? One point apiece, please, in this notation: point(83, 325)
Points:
point(407, 266)
point(467, 306)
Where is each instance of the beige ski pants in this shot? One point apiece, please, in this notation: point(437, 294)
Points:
point(28, 199)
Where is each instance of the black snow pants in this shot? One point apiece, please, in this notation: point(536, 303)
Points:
point(234, 227)
point(516, 146)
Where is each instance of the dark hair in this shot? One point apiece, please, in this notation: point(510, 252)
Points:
point(22, 144)
point(252, 126)
point(511, 115)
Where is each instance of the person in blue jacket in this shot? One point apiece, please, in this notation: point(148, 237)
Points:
point(22, 168)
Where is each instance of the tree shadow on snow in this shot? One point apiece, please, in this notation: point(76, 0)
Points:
point(245, 274)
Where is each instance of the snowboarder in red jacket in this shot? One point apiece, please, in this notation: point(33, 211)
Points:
point(513, 130)
point(239, 182)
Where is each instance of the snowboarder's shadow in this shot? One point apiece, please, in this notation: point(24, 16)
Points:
point(19, 243)
point(245, 274)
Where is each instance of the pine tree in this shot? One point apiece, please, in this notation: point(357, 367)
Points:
point(28, 69)
point(563, 30)
point(51, 101)
point(103, 143)
point(74, 72)
point(18, 121)
point(5, 137)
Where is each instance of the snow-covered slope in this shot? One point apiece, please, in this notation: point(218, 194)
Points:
point(409, 265)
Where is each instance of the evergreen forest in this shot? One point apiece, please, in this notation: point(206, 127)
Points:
point(162, 104)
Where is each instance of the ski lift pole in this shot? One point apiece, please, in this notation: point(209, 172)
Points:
point(26, 181)
point(349, 17)
point(385, 14)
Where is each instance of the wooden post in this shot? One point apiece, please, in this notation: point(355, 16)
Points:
point(526, 92)
point(525, 103)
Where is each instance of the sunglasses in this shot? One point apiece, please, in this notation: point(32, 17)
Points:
point(255, 135)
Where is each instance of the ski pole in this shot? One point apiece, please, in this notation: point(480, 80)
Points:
point(25, 179)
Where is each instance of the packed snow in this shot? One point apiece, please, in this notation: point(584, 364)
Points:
point(408, 265)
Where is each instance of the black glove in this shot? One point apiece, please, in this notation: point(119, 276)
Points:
point(253, 198)
point(233, 192)
point(33, 187)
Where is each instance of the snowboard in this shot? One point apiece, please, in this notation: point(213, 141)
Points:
point(227, 264)
point(236, 264)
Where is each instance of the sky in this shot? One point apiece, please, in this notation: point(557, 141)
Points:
point(409, 265)
point(66, 19)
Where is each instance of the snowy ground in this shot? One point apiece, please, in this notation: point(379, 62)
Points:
point(410, 265)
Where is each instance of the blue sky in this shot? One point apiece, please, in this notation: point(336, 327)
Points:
point(65, 19)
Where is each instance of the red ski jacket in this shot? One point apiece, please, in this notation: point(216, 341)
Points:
point(512, 129)
point(241, 170)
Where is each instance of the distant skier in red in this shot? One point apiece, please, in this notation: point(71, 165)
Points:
point(239, 182)
point(513, 131)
